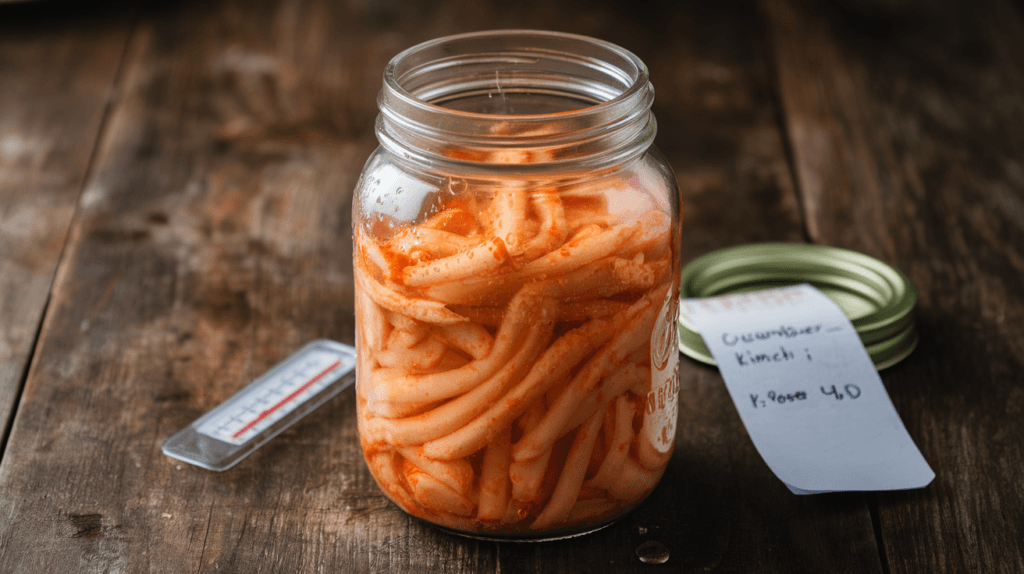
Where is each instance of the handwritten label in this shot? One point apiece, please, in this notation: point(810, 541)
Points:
point(807, 391)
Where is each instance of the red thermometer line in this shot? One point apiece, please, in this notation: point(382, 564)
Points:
point(285, 400)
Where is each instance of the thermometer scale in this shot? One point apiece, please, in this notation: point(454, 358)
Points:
point(273, 402)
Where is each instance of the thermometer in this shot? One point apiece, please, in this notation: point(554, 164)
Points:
point(275, 401)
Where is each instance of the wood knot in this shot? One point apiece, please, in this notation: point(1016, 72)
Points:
point(86, 525)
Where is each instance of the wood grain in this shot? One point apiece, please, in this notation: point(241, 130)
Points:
point(904, 119)
point(213, 238)
point(57, 76)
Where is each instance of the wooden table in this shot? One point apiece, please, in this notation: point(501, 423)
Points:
point(175, 188)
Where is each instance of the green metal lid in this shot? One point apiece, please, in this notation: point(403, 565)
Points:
point(877, 297)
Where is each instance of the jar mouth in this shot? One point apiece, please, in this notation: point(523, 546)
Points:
point(516, 96)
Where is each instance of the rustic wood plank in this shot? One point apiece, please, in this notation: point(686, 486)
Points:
point(905, 121)
point(214, 239)
point(48, 129)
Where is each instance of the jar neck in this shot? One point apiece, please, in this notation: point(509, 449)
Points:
point(543, 101)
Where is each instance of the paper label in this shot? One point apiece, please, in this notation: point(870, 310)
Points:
point(807, 391)
point(662, 407)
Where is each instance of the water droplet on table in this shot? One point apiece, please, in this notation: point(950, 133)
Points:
point(652, 552)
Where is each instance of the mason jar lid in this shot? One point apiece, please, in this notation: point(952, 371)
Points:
point(876, 297)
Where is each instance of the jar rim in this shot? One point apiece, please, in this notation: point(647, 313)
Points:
point(594, 99)
point(392, 81)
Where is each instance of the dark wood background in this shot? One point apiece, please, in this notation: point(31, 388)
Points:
point(175, 187)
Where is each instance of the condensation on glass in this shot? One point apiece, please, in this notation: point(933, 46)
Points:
point(516, 261)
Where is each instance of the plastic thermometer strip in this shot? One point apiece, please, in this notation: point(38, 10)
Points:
point(267, 406)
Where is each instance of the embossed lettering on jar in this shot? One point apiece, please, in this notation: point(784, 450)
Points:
point(516, 261)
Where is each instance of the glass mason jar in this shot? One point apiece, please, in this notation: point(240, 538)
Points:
point(516, 259)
